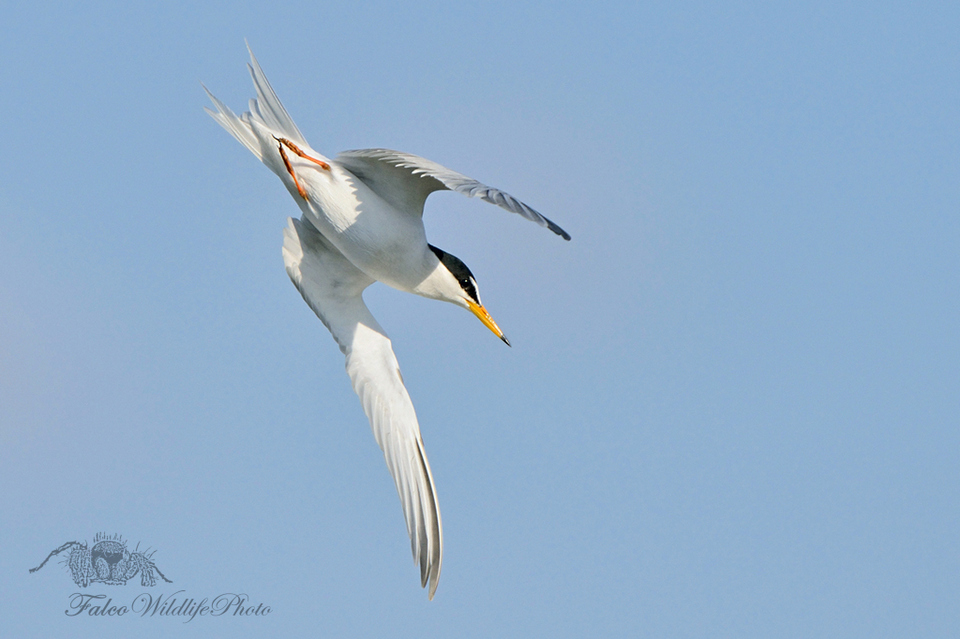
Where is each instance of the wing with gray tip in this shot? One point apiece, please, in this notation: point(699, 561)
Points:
point(332, 287)
point(405, 180)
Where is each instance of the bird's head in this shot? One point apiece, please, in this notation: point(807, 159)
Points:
point(457, 285)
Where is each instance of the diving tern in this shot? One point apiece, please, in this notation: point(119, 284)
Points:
point(362, 223)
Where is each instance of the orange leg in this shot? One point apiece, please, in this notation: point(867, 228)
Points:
point(293, 147)
point(286, 163)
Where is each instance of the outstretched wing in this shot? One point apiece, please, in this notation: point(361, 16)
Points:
point(405, 180)
point(332, 287)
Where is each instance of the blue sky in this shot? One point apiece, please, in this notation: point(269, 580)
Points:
point(731, 407)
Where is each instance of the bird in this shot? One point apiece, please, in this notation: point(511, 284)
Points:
point(362, 222)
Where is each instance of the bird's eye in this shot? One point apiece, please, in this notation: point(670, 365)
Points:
point(469, 288)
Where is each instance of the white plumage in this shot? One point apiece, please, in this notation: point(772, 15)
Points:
point(362, 222)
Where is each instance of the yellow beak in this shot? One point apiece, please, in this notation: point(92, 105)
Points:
point(484, 317)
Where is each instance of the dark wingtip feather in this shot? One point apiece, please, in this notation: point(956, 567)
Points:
point(556, 229)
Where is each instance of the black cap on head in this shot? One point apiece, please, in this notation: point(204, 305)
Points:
point(460, 271)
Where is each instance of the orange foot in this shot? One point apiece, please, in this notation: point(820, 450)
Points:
point(293, 147)
point(284, 142)
point(286, 163)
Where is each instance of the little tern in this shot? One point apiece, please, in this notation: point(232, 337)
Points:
point(362, 223)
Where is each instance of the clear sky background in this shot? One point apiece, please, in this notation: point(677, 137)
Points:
point(732, 404)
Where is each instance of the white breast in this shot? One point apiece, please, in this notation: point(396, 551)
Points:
point(387, 244)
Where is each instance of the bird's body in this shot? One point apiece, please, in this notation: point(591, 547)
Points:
point(362, 222)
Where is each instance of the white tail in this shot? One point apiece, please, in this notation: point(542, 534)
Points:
point(266, 111)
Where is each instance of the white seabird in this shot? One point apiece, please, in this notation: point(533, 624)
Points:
point(363, 222)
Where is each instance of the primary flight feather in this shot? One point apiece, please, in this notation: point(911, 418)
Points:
point(362, 223)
